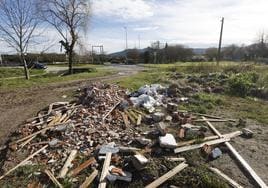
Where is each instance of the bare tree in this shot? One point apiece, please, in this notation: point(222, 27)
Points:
point(68, 17)
point(19, 21)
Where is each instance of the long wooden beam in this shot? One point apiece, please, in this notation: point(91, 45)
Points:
point(196, 146)
point(167, 175)
point(246, 166)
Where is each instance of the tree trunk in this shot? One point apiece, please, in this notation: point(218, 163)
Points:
point(70, 59)
point(26, 71)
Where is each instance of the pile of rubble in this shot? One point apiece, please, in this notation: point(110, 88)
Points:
point(114, 135)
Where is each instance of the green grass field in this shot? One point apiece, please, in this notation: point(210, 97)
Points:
point(241, 107)
point(6, 72)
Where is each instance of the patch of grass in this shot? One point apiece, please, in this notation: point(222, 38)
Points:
point(202, 103)
point(247, 108)
point(50, 78)
point(7, 72)
point(22, 176)
point(142, 78)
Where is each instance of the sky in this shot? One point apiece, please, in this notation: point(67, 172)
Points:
point(193, 23)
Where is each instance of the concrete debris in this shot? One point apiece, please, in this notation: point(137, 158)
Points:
point(139, 161)
point(167, 141)
point(111, 134)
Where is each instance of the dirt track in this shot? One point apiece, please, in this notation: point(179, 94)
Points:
point(18, 105)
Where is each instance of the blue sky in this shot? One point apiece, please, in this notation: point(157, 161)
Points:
point(194, 23)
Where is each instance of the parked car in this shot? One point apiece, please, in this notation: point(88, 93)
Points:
point(36, 65)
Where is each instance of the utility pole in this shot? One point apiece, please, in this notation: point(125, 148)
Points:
point(126, 36)
point(219, 48)
point(139, 37)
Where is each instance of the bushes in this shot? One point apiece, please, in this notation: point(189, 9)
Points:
point(240, 84)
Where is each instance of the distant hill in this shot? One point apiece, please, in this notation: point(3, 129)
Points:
point(124, 52)
point(197, 51)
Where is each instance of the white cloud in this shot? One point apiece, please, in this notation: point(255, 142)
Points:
point(150, 28)
point(130, 10)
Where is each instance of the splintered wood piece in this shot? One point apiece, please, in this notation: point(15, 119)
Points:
point(53, 179)
point(81, 167)
point(242, 161)
point(196, 146)
point(24, 161)
point(139, 119)
point(110, 111)
point(89, 179)
point(105, 169)
point(125, 119)
point(166, 176)
point(228, 179)
point(26, 142)
point(67, 164)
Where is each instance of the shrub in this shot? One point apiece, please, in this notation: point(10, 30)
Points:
point(240, 84)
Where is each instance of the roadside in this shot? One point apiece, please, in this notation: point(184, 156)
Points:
point(16, 105)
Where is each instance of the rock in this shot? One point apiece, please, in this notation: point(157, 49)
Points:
point(167, 141)
point(173, 90)
point(161, 126)
point(158, 116)
point(108, 148)
point(172, 107)
point(168, 118)
point(139, 161)
point(123, 105)
point(247, 133)
point(215, 153)
point(144, 141)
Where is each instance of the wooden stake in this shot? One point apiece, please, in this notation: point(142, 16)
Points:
point(196, 146)
point(53, 179)
point(168, 175)
point(105, 169)
point(139, 119)
point(246, 166)
point(229, 180)
point(24, 161)
point(110, 111)
point(67, 164)
point(82, 167)
point(89, 179)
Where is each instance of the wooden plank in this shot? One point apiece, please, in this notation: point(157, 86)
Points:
point(26, 142)
point(105, 169)
point(125, 119)
point(224, 176)
point(246, 166)
point(139, 119)
point(53, 179)
point(82, 167)
point(67, 164)
point(196, 146)
point(24, 161)
point(229, 135)
point(110, 111)
point(168, 175)
point(89, 179)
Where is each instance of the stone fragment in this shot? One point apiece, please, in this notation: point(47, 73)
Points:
point(216, 153)
point(139, 161)
point(167, 141)
point(247, 133)
point(158, 116)
point(161, 126)
point(172, 107)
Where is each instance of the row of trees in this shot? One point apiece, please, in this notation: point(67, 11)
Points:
point(22, 22)
point(254, 52)
point(155, 54)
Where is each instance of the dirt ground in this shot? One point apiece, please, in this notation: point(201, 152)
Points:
point(253, 150)
point(18, 105)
